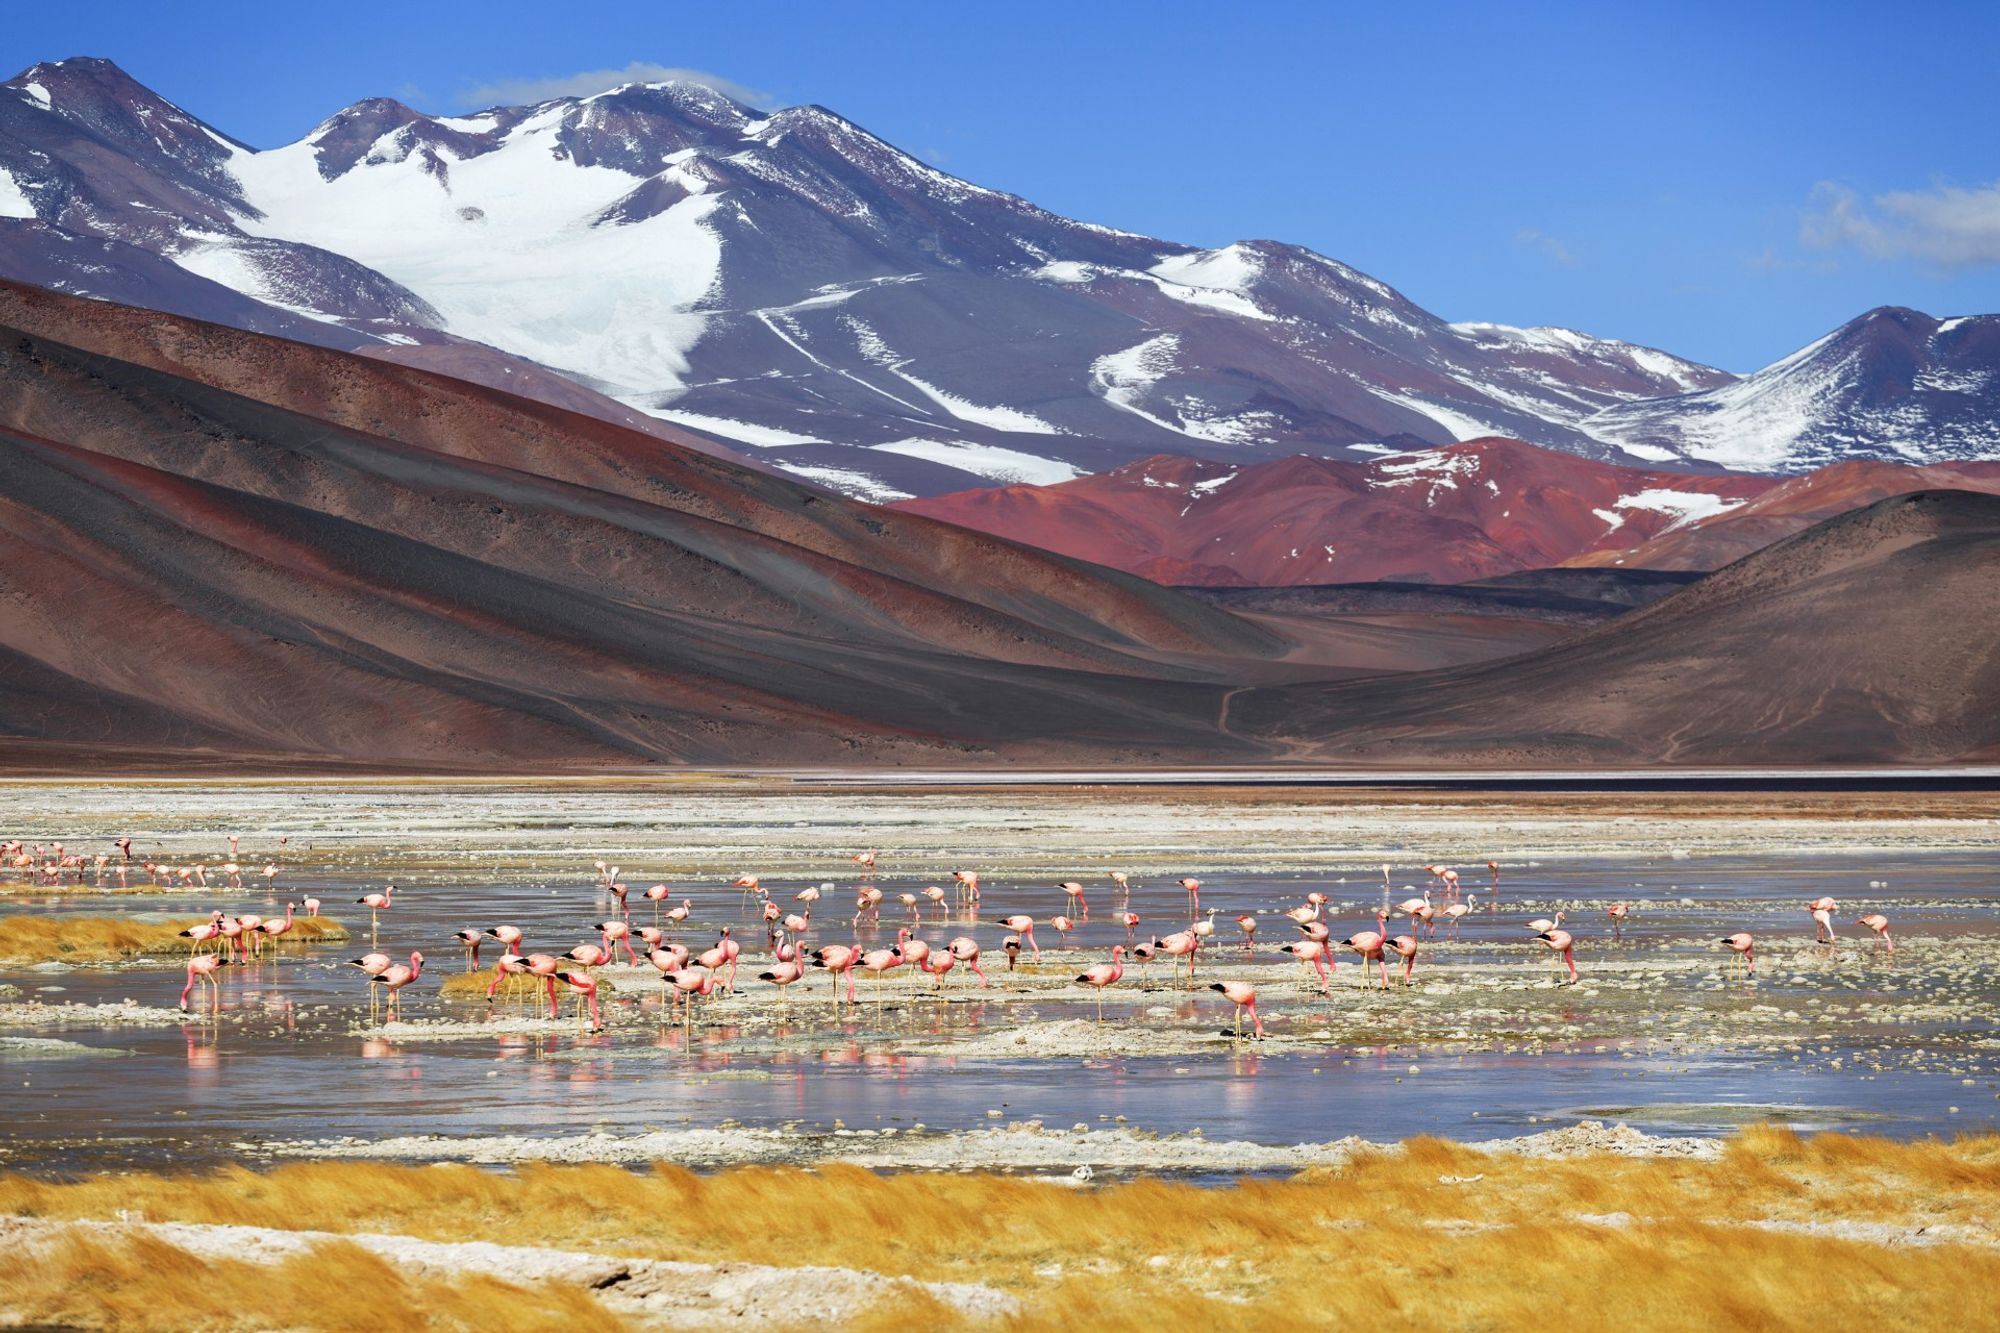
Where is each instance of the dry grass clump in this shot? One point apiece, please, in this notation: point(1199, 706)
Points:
point(1781, 1232)
point(28, 938)
point(513, 986)
point(142, 1283)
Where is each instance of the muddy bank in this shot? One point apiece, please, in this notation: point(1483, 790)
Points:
point(1023, 1145)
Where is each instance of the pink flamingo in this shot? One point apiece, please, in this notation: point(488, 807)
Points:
point(1063, 925)
point(616, 933)
point(1103, 975)
point(200, 969)
point(1122, 882)
point(1129, 920)
point(507, 965)
point(619, 891)
point(838, 959)
point(1075, 892)
point(376, 903)
point(509, 936)
point(1559, 943)
point(1741, 945)
point(783, 974)
point(471, 939)
point(1025, 927)
point(395, 977)
point(276, 930)
point(1244, 996)
point(966, 950)
point(968, 880)
point(1193, 887)
point(1248, 925)
point(312, 906)
point(1454, 914)
point(868, 902)
point(866, 860)
point(656, 894)
point(198, 935)
point(937, 964)
point(677, 916)
point(1618, 912)
point(1182, 944)
point(1878, 923)
point(879, 963)
point(1822, 923)
point(1315, 955)
point(1370, 944)
point(1404, 947)
point(935, 896)
point(588, 955)
point(585, 989)
point(545, 966)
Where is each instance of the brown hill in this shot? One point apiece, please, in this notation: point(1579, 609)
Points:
point(217, 539)
point(1449, 515)
point(1869, 638)
point(1795, 505)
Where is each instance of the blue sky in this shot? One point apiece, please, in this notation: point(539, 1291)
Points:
point(1725, 181)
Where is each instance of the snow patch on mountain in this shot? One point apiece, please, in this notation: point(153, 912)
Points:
point(846, 481)
point(503, 244)
point(741, 432)
point(1461, 425)
point(993, 462)
point(1686, 506)
point(14, 201)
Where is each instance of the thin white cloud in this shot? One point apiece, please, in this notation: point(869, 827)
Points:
point(1950, 226)
point(1554, 248)
point(526, 92)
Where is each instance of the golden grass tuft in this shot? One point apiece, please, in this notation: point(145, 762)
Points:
point(139, 1282)
point(514, 986)
point(1780, 1232)
point(26, 938)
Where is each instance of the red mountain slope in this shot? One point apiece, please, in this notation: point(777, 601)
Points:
point(1465, 511)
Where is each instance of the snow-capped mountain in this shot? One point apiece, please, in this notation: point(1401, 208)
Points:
point(787, 283)
point(1894, 384)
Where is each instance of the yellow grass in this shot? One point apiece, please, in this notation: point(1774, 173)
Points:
point(142, 1283)
point(1434, 1234)
point(28, 938)
point(514, 986)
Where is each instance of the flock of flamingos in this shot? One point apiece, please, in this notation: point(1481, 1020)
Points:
point(687, 976)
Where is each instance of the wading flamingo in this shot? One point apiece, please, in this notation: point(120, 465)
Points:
point(1741, 945)
point(966, 950)
point(1315, 955)
point(1618, 912)
point(1878, 923)
point(585, 990)
point(1075, 892)
point(1025, 925)
point(1456, 913)
point(616, 933)
point(1244, 996)
point(200, 969)
point(1559, 943)
point(471, 939)
point(1248, 925)
point(1181, 944)
point(1369, 944)
point(1193, 887)
point(838, 959)
point(395, 977)
point(1405, 948)
point(1822, 923)
point(1063, 925)
point(376, 903)
point(1102, 975)
point(312, 906)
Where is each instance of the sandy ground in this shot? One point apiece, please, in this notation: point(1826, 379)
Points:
point(651, 1292)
